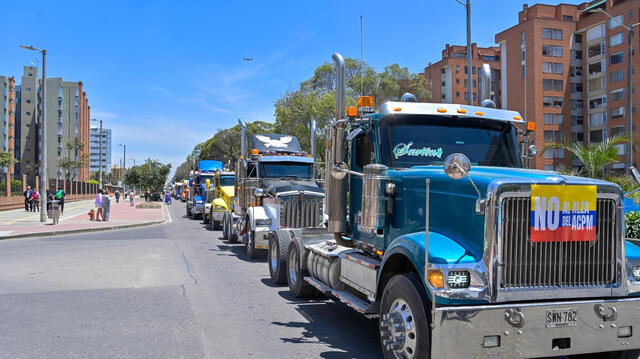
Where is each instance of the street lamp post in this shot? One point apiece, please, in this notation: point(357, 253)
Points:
point(44, 182)
point(124, 157)
point(629, 90)
point(100, 153)
point(467, 6)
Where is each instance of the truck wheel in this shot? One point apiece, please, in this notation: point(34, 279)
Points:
point(628, 354)
point(295, 274)
point(225, 228)
point(404, 325)
point(278, 246)
point(188, 212)
point(215, 225)
point(251, 245)
point(231, 237)
point(205, 219)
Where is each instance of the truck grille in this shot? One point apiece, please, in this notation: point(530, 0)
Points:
point(557, 264)
point(300, 211)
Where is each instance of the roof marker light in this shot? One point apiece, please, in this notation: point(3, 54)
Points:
point(397, 109)
point(442, 110)
point(461, 110)
point(478, 113)
point(518, 118)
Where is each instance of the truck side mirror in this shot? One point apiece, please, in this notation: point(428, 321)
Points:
point(457, 165)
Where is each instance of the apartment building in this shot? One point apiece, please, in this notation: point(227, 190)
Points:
point(447, 79)
point(100, 142)
point(7, 118)
point(67, 123)
point(563, 67)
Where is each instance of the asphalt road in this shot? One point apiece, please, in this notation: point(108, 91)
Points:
point(168, 291)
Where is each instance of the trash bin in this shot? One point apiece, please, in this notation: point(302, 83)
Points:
point(53, 210)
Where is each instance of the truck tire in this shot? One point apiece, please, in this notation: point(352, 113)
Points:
point(295, 273)
point(252, 252)
point(276, 256)
point(205, 219)
point(215, 225)
point(404, 324)
point(227, 222)
point(188, 212)
point(627, 354)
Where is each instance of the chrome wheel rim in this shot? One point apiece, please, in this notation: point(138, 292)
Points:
point(273, 253)
point(398, 330)
point(293, 266)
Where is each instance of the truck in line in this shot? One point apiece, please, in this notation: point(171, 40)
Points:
point(435, 228)
point(219, 199)
point(199, 184)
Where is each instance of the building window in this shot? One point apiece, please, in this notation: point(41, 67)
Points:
point(444, 97)
point(616, 76)
point(597, 49)
point(577, 38)
point(596, 136)
point(552, 119)
point(553, 153)
point(617, 112)
point(578, 136)
point(576, 87)
point(552, 101)
point(576, 104)
point(490, 58)
point(552, 85)
point(617, 95)
point(553, 136)
point(457, 93)
point(615, 21)
point(597, 119)
point(617, 130)
point(595, 32)
point(596, 67)
point(575, 71)
point(616, 58)
point(523, 70)
point(457, 81)
point(597, 84)
point(616, 39)
point(597, 102)
point(444, 71)
point(552, 68)
point(576, 54)
point(577, 120)
point(444, 83)
point(567, 18)
point(551, 34)
point(554, 51)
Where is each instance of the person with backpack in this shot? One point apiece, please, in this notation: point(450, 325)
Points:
point(59, 196)
point(35, 201)
point(117, 196)
point(106, 206)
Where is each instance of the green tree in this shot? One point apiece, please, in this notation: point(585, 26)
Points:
point(225, 144)
point(594, 157)
point(7, 159)
point(152, 175)
point(73, 161)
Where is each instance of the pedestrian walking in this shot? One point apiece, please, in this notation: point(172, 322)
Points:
point(59, 196)
point(98, 204)
point(35, 201)
point(106, 206)
point(131, 195)
point(146, 196)
point(117, 196)
point(167, 197)
point(27, 199)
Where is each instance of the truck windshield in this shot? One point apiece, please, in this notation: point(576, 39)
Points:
point(227, 181)
point(286, 169)
point(427, 140)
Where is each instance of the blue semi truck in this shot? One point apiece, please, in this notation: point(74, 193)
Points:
point(436, 228)
point(199, 183)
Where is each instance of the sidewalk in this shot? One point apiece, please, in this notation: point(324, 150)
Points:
point(18, 223)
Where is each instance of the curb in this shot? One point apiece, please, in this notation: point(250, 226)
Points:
point(89, 230)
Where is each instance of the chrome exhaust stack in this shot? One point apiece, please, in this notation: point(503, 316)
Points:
point(336, 197)
point(314, 136)
point(243, 139)
point(485, 86)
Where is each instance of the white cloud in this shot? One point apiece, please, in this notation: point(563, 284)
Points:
point(103, 115)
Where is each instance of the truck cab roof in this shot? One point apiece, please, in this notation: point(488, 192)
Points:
point(446, 109)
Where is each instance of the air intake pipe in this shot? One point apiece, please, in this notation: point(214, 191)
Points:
point(314, 135)
point(243, 139)
point(485, 86)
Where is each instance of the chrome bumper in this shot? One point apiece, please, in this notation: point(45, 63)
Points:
point(459, 331)
point(198, 209)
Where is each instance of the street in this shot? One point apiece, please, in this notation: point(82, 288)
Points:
point(166, 291)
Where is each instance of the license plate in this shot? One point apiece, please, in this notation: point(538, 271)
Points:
point(567, 317)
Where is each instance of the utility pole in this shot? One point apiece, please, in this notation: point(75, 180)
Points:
point(124, 157)
point(100, 154)
point(44, 178)
point(467, 6)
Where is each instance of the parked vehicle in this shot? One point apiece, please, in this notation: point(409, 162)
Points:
point(277, 191)
point(199, 184)
point(219, 201)
point(435, 226)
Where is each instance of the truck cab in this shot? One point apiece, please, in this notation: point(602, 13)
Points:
point(200, 184)
point(436, 228)
point(220, 198)
point(276, 191)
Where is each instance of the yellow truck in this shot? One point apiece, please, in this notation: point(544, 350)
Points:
point(219, 200)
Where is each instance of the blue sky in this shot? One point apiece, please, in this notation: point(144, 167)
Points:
point(165, 75)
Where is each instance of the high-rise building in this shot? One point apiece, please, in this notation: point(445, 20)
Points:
point(67, 125)
point(100, 140)
point(7, 118)
point(564, 67)
point(447, 79)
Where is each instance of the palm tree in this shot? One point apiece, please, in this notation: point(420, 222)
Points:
point(594, 156)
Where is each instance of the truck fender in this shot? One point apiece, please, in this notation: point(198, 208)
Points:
point(258, 213)
point(397, 260)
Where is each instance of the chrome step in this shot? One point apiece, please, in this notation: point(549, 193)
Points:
point(323, 288)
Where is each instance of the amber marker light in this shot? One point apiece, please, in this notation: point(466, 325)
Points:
point(442, 110)
point(478, 113)
point(352, 111)
point(365, 101)
point(255, 151)
point(397, 109)
point(517, 118)
point(463, 111)
point(531, 126)
point(436, 278)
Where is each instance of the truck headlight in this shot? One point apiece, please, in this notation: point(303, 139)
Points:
point(636, 273)
point(458, 279)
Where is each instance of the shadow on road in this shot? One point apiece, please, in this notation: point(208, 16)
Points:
point(239, 251)
point(327, 322)
point(269, 283)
